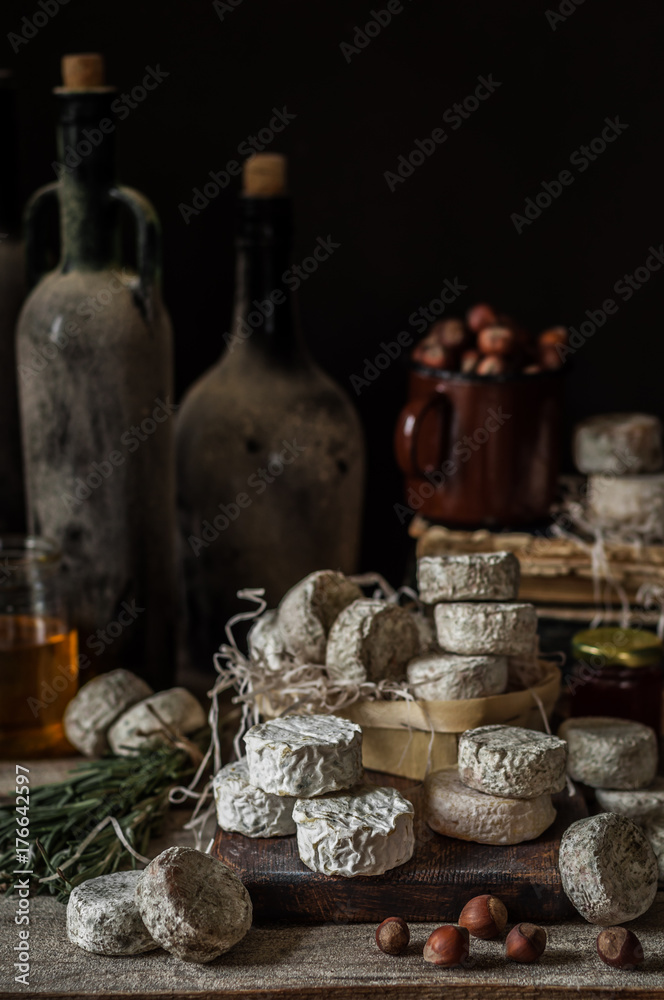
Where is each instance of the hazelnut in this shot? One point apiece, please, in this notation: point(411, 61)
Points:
point(492, 364)
point(449, 332)
point(525, 943)
point(549, 357)
point(480, 316)
point(469, 361)
point(619, 948)
point(433, 355)
point(496, 340)
point(532, 370)
point(393, 935)
point(484, 917)
point(553, 336)
point(447, 946)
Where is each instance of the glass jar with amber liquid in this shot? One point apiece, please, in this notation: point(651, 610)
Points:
point(617, 673)
point(38, 649)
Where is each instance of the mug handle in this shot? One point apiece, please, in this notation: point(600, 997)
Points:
point(34, 255)
point(407, 432)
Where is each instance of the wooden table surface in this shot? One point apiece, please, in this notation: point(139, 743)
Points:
point(284, 962)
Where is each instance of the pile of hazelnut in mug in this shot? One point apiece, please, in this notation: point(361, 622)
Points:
point(490, 344)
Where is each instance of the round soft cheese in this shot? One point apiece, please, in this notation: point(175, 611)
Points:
point(478, 576)
point(304, 755)
point(244, 808)
point(454, 810)
point(307, 611)
point(473, 629)
point(371, 641)
point(267, 646)
point(366, 831)
point(448, 676)
point(608, 869)
point(193, 905)
point(653, 827)
point(628, 501)
point(102, 916)
point(636, 805)
point(511, 761)
point(618, 443)
point(610, 753)
point(139, 727)
point(92, 712)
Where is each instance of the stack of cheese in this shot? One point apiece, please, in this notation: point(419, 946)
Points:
point(500, 792)
point(303, 774)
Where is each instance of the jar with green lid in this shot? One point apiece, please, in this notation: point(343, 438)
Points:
point(617, 673)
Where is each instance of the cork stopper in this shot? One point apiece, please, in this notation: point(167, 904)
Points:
point(83, 71)
point(264, 175)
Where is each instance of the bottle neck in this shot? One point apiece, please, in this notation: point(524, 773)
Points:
point(263, 314)
point(9, 201)
point(86, 171)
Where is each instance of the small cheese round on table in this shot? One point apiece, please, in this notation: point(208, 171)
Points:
point(304, 755)
point(628, 501)
point(244, 808)
point(371, 641)
point(448, 676)
point(478, 576)
point(511, 761)
point(365, 831)
point(267, 646)
point(455, 810)
point(306, 612)
point(608, 869)
point(92, 712)
point(192, 904)
point(610, 753)
point(618, 443)
point(102, 916)
point(475, 629)
point(653, 827)
point(139, 727)
point(637, 805)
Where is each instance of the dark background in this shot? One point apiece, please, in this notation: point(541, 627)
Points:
point(450, 219)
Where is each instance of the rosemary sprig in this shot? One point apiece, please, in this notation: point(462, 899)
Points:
point(67, 819)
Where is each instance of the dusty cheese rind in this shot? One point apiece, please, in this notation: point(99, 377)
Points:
point(511, 761)
point(653, 827)
point(366, 831)
point(244, 808)
point(371, 641)
point(426, 631)
point(455, 810)
point(628, 501)
point(448, 676)
point(618, 443)
point(610, 753)
point(637, 805)
point(102, 916)
point(307, 611)
point(193, 905)
point(267, 646)
point(608, 869)
point(92, 712)
point(304, 755)
point(472, 629)
point(478, 576)
point(138, 727)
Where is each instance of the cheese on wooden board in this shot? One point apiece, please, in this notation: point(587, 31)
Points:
point(307, 611)
point(478, 576)
point(371, 641)
point(138, 727)
point(92, 712)
point(455, 810)
point(653, 827)
point(610, 753)
point(628, 501)
point(448, 676)
point(244, 808)
point(511, 761)
point(608, 869)
point(193, 905)
point(618, 443)
point(267, 646)
point(636, 805)
point(366, 831)
point(102, 916)
point(472, 629)
point(304, 755)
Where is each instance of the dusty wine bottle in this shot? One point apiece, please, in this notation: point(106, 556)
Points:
point(270, 454)
point(94, 349)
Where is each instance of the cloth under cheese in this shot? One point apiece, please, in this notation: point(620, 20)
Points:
point(511, 761)
point(477, 576)
point(610, 753)
point(244, 808)
point(102, 916)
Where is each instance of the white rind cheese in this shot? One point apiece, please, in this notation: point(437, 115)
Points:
point(307, 611)
point(138, 727)
point(102, 916)
point(371, 641)
point(448, 676)
point(511, 761)
point(364, 832)
point(267, 646)
point(653, 827)
point(610, 753)
point(608, 869)
point(637, 805)
point(244, 808)
point(618, 443)
point(628, 501)
point(304, 755)
point(92, 712)
point(474, 629)
point(454, 810)
point(479, 576)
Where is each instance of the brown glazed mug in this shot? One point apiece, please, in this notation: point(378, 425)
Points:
point(480, 450)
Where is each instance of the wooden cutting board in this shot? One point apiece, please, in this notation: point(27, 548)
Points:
point(440, 878)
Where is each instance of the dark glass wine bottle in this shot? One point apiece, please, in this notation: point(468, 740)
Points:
point(94, 348)
point(270, 453)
